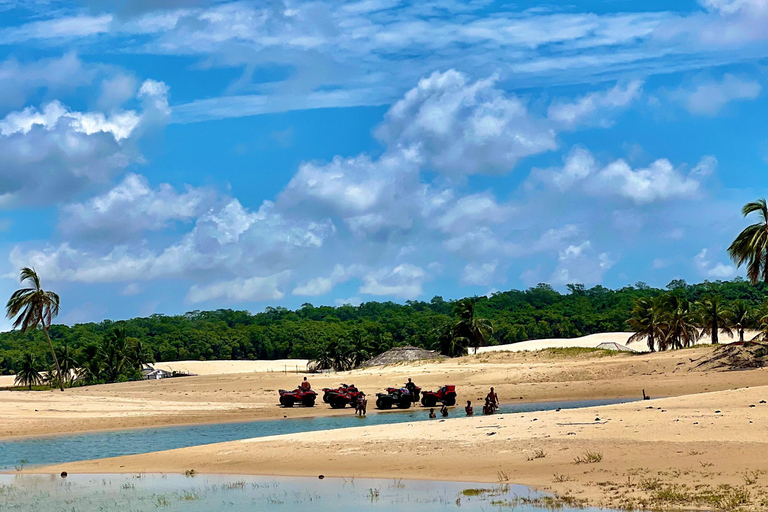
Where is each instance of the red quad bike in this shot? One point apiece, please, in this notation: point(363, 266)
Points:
point(445, 395)
point(343, 389)
point(298, 395)
point(399, 397)
point(340, 399)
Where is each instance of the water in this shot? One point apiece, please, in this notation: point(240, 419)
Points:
point(177, 493)
point(70, 448)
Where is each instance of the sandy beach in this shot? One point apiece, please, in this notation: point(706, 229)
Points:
point(524, 376)
point(709, 431)
point(690, 444)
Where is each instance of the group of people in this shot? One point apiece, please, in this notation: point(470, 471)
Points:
point(490, 406)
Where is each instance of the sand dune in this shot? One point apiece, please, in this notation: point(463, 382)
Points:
point(228, 367)
point(592, 341)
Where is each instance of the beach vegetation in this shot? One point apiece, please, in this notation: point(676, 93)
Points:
point(345, 336)
point(588, 457)
point(31, 307)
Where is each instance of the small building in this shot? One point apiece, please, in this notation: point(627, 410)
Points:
point(150, 373)
point(612, 345)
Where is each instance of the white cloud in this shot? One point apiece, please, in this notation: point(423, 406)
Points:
point(323, 285)
point(241, 290)
point(475, 274)
point(710, 98)
point(461, 127)
point(49, 154)
point(711, 270)
point(659, 181)
point(352, 301)
point(57, 28)
point(593, 105)
point(404, 281)
point(19, 80)
point(131, 289)
point(581, 264)
point(131, 208)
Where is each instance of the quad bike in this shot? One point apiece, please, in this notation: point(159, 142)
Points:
point(343, 389)
point(339, 400)
point(445, 395)
point(298, 395)
point(399, 397)
point(415, 393)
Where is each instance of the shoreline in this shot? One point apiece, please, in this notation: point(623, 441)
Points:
point(644, 447)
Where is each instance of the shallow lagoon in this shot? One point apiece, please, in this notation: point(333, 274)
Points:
point(215, 493)
point(69, 448)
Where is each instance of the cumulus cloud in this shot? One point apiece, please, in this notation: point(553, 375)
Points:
point(594, 106)
point(323, 285)
point(475, 274)
point(19, 79)
point(460, 127)
point(708, 269)
point(659, 181)
point(253, 289)
point(581, 264)
point(48, 154)
point(131, 208)
point(404, 281)
point(710, 98)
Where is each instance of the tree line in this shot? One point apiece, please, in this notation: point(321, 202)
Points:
point(344, 336)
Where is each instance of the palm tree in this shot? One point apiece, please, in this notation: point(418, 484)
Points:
point(447, 342)
point(138, 355)
point(28, 374)
point(66, 361)
point(715, 317)
point(91, 366)
point(32, 306)
point(680, 320)
point(113, 354)
point(741, 317)
point(751, 245)
point(647, 322)
point(469, 330)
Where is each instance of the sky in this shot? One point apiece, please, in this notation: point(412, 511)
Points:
point(163, 156)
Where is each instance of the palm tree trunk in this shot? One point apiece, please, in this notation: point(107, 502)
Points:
point(714, 333)
point(55, 359)
point(741, 335)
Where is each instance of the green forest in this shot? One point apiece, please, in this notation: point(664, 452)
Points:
point(355, 333)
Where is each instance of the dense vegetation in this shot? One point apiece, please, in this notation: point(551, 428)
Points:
point(353, 332)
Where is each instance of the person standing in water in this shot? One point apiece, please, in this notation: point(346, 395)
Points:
point(469, 409)
point(493, 398)
point(432, 414)
point(444, 411)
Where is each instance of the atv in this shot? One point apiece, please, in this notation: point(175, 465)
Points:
point(340, 399)
point(399, 397)
point(343, 389)
point(298, 395)
point(445, 395)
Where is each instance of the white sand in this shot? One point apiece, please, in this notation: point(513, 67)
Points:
point(592, 341)
point(228, 367)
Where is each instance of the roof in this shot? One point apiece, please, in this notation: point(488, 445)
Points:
point(612, 345)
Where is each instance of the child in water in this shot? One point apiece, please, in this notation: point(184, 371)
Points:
point(432, 413)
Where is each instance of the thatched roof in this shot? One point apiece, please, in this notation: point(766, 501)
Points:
point(402, 355)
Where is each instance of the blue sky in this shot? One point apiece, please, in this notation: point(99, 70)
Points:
point(165, 156)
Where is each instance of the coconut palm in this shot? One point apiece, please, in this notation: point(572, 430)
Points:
point(680, 320)
point(715, 317)
point(741, 317)
point(647, 322)
point(28, 374)
point(751, 245)
point(448, 344)
point(470, 331)
point(32, 306)
point(138, 355)
point(113, 351)
point(66, 361)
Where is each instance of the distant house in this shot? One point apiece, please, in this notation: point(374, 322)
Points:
point(150, 373)
point(612, 345)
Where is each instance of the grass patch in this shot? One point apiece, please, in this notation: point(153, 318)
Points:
point(538, 453)
point(588, 457)
point(579, 351)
